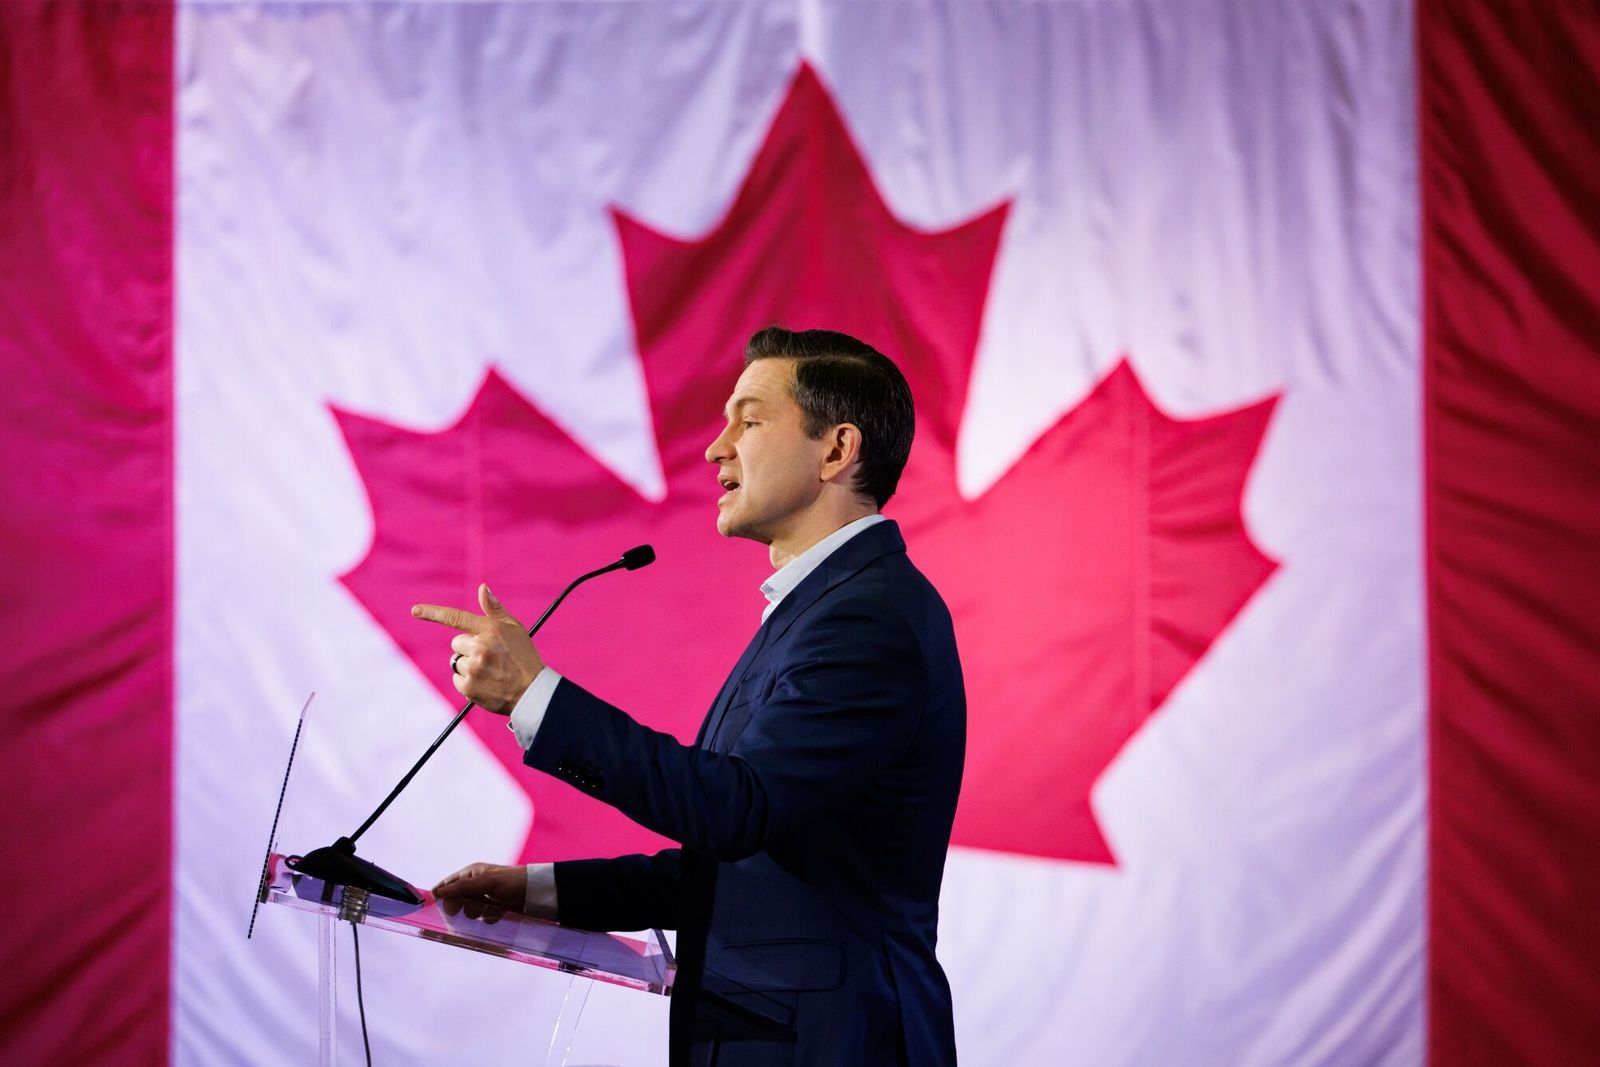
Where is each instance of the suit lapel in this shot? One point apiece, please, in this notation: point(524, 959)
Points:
point(870, 544)
point(719, 707)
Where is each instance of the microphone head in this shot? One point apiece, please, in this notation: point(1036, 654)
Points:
point(635, 558)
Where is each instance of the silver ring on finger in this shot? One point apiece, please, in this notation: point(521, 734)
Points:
point(454, 660)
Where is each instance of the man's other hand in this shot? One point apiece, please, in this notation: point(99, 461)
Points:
point(483, 891)
point(493, 662)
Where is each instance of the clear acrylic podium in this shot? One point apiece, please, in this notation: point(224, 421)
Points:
point(643, 965)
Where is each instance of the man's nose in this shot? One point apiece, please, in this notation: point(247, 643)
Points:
point(718, 450)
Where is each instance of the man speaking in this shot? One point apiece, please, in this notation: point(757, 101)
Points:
point(814, 807)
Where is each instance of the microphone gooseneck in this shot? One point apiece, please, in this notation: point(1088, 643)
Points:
point(632, 560)
point(338, 864)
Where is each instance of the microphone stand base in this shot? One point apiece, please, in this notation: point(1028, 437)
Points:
point(338, 865)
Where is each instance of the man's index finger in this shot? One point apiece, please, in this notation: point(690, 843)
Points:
point(455, 618)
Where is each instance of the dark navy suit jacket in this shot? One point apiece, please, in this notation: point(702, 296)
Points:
point(814, 813)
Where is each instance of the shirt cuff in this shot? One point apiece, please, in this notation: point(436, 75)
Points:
point(529, 712)
point(540, 898)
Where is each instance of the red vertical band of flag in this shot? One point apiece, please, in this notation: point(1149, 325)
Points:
point(86, 530)
point(1511, 237)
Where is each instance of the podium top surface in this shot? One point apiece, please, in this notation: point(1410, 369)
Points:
point(624, 961)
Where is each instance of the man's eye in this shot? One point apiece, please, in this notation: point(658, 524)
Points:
point(749, 422)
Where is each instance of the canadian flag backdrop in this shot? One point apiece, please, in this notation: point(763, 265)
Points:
point(1256, 350)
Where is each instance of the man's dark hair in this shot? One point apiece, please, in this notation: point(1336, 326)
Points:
point(840, 379)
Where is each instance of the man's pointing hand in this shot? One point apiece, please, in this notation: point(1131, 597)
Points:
point(493, 662)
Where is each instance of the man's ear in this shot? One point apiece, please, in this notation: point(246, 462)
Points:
point(844, 450)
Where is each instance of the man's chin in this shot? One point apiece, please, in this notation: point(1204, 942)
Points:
point(730, 527)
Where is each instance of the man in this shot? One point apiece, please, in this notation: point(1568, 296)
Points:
point(814, 808)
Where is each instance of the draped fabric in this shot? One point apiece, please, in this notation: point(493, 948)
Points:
point(1511, 182)
point(1254, 459)
point(86, 531)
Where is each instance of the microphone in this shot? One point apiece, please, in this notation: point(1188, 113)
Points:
point(338, 865)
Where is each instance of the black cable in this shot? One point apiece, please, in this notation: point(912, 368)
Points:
point(355, 935)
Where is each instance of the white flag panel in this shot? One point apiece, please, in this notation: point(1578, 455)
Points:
point(378, 203)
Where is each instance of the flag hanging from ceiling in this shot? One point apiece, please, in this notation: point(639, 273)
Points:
point(333, 308)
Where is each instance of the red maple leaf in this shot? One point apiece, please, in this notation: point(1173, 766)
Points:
point(1085, 583)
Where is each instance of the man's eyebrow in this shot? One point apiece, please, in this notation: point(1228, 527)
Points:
point(741, 402)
